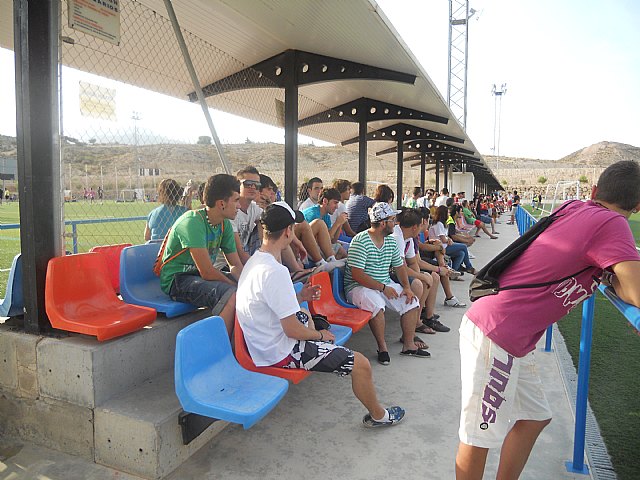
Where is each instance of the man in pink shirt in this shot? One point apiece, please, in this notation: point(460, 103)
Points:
point(503, 404)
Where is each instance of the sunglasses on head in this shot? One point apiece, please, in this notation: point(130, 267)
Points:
point(251, 183)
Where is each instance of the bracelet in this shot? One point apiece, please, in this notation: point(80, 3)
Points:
point(321, 336)
point(438, 269)
point(383, 287)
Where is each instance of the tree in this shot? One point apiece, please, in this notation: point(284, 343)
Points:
point(542, 179)
point(92, 141)
point(583, 179)
point(204, 140)
point(523, 182)
point(504, 182)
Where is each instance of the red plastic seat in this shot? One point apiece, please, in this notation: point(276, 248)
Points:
point(112, 256)
point(296, 375)
point(79, 298)
point(336, 314)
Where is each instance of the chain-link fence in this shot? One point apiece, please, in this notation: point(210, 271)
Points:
point(126, 125)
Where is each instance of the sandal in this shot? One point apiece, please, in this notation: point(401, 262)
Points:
point(301, 275)
point(418, 341)
point(419, 353)
point(424, 329)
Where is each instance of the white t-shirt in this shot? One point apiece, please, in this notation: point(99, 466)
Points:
point(244, 223)
point(306, 204)
point(441, 201)
point(423, 202)
point(436, 230)
point(405, 246)
point(341, 209)
point(265, 296)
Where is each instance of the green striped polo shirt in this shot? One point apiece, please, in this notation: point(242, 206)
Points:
point(373, 260)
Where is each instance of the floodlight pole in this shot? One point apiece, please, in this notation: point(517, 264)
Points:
point(497, 117)
point(196, 83)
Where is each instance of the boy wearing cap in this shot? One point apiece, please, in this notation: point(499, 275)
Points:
point(279, 333)
point(188, 273)
point(369, 286)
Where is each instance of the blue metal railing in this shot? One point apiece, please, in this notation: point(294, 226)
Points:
point(631, 313)
point(74, 225)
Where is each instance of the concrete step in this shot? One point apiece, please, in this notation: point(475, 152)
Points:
point(138, 432)
point(82, 371)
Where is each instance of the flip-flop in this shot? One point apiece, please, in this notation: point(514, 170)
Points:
point(417, 339)
point(424, 329)
point(419, 353)
point(301, 275)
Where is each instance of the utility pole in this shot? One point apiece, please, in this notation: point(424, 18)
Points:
point(497, 93)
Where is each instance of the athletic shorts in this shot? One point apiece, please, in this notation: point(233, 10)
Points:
point(498, 389)
point(318, 356)
point(373, 300)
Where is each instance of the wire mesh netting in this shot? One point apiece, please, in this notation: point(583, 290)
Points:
point(127, 125)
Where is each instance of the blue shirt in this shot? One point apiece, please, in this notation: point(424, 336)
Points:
point(162, 218)
point(358, 210)
point(313, 213)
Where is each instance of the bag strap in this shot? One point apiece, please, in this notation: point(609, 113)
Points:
point(543, 284)
point(159, 265)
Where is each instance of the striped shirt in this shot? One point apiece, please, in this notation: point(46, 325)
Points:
point(375, 261)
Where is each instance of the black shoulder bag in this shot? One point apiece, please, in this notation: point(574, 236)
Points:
point(486, 280)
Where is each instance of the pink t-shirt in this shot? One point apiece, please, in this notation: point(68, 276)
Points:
point(585, 234)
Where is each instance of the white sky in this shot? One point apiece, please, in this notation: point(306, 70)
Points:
point(572, 70)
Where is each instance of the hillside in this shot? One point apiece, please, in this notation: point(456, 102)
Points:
point(85, 163)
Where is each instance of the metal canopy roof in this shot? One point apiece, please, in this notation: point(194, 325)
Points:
point(250, 31)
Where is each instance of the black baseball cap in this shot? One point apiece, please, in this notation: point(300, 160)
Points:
point(279, 215)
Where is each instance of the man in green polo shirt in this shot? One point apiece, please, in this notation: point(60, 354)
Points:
point(188, 273)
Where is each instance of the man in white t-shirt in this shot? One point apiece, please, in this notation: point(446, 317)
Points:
point(310, 194)
point(344, 187)
point(442, 199)
point(246, 225)
point(278, 332)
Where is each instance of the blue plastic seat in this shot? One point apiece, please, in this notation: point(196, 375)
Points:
point(338, 289)
point(13, 302)
point(140, 286)
point(210, 382)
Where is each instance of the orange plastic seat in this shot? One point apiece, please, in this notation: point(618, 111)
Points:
point(79, 298)
point(336, 314)
point(112, 256)
point(296, 375)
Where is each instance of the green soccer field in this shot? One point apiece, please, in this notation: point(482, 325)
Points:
point(88, 235)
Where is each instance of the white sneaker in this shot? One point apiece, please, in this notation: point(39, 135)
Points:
point(454, 302)
point(471, 255)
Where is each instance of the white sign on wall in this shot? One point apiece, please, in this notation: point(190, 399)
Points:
point(100, 18)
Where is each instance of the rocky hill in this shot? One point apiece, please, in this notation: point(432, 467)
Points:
point(90, 164)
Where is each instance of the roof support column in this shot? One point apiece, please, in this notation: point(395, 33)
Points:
point(399, 171)
point(437, 174)
point(291, 137)
point(36, 36)
point(446, 176)
point(423, 170)
point(362, 151)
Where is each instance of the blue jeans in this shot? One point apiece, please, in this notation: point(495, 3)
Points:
point(459, 254)
point(192, 288)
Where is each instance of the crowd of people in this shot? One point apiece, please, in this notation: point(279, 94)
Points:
point(241, 251)
point(221, 255)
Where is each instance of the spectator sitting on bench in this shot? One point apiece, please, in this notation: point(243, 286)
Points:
point(431, 259)
point(460, 236)
point(410, 222)
point(471, 219)
point(358, 206)
point(368, 285)
point(457, 251)
point(188, 273)
point(279, 333)
point(174, 204)
point(344, 187)
point(309, 194)
point(321, 214)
